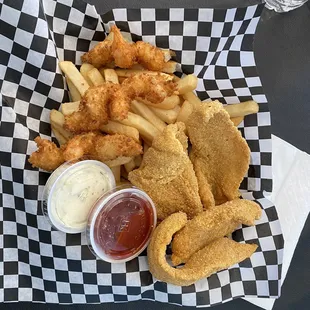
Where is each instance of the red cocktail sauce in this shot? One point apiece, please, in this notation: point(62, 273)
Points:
point(124, 225)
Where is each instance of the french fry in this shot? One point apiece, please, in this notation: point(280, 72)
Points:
point(74, 93)
point(170, 67)
point(114, 127)
point(118, 161)
point(85, 68)
point(57, 121)
point(167, 104)
point(146, 129)
point(142, 110)
point(70, 107)
point(110, 76)
point(185, 112)
point(192, 98)
point(69, 69)
point(168, 116)
point(116, 170)
point(187, 84)
point(130, 166)
point(95, 77)
point(137, 67)
point(129, 72)
point(60, 138)
point(237, 120)
point(242, 109)
point(145, 147)
point(138, 160)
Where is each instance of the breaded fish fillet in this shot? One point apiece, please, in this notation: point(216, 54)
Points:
point(218, 255)
point(212, 224)
point(167, 175)
point(219, 153)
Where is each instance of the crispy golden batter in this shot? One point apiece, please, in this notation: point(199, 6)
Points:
point(156, 251)
point(106, 101)
point(212, 224)
point(93, 110)
point(100, 55)
point(100, 147)
point(48, 156)
point(149, 56)
point(219, 154)
point(218, 255)
point(92, 145)
point(167, 174)
point(124, 53)
point(153, 88)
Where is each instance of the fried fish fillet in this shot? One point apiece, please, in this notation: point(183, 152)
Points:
point(219, 153)
point(212, 224)
point(94, 145)
point(218, 255)
point(167, 176)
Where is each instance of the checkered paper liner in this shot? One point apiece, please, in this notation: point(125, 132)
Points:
point(40, 264)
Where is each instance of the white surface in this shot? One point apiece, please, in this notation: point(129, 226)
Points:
point(291, 190)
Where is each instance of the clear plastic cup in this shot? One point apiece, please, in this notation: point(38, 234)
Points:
point(120, 224)
point(69, 172)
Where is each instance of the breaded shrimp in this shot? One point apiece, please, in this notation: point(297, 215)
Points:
point(149, 56)
point(93, 110)
point(48, 156)
point(100, 55)
point(124, 53)
point(93, 145)
point(99, 147)
point(154, 88)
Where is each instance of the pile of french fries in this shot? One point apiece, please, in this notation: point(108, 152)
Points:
point(146, 119)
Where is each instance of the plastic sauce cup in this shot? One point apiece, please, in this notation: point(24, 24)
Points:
point(71, 191)
point(120, 224)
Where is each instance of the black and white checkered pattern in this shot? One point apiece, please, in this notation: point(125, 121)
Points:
point(42, 265)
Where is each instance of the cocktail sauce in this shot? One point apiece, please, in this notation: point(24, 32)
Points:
point(121, 223)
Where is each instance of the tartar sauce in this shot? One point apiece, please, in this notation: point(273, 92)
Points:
point(76, 191)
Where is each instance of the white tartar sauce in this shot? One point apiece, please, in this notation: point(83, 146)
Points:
point(75, 193)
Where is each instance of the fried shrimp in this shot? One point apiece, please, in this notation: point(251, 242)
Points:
point(94, 145)
point(93, 109)
point(100, 55)
point(103, 148)
point(124, 53)
point(153, 88)
point(48, 156)
point(149, 56)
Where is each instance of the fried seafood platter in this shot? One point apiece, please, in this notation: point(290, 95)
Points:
point(129, 111)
